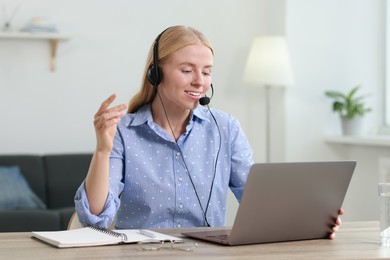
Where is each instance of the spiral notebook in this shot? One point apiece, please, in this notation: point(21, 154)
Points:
point(95, 236)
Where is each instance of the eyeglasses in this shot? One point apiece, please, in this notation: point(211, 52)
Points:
point(153, 245)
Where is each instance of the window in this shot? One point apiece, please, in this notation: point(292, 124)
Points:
point(385, 40)
point(386, 49)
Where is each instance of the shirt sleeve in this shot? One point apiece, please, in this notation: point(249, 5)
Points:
point(86, 218)
point(106, 217)
point(241, 159)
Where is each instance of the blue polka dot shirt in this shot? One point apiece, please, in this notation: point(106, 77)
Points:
point(156, 182)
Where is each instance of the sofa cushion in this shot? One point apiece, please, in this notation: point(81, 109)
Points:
point(15, 193)
point(32, 169)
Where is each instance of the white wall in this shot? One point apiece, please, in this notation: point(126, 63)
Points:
point(43, 112)
point(335, 45)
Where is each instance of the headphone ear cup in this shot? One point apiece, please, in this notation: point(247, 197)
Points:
point(154, 75)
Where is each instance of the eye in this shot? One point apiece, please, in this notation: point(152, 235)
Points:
point(206, 73)
point(186, 71)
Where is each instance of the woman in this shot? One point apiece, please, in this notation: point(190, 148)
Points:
point(169, 161)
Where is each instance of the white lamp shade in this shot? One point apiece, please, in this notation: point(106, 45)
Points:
point(268, 62)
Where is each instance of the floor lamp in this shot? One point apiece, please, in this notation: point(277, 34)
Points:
point(268, 65)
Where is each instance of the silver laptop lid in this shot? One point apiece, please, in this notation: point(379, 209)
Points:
point(291, 201)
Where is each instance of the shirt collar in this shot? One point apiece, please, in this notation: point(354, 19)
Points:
point(144, 114)
point(201, 113)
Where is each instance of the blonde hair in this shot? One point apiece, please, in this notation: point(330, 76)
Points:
point(172, 39)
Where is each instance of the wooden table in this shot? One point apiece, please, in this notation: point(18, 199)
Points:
point(354, 240)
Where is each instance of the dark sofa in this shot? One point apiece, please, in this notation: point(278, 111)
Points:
point(54, 179)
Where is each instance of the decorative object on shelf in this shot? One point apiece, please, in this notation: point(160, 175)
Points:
point(8, 18)
point(40, 24)
point(268, 65)
point(351, 109)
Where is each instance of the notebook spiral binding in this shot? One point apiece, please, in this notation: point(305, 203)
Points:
point(110, 232)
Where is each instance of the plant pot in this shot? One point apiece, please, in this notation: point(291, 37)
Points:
point(352, 126)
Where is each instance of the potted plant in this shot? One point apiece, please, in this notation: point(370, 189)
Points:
point(351, 109)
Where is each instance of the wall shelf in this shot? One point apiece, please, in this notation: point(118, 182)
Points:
point(368, 140)
point(53, 38)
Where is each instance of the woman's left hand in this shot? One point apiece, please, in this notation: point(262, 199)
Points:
point(337, 225)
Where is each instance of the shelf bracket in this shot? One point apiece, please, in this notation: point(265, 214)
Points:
point(53, 38)
point(53, 54)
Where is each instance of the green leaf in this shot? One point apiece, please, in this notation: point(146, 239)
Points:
point(347, 104)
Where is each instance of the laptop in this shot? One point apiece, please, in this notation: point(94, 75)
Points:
point(286, 202)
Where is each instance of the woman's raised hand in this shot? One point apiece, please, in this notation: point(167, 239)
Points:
point(105, 122)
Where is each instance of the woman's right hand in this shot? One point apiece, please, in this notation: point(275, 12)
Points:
point(105, 122)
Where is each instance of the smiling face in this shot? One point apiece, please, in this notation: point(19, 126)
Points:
point(187, 77)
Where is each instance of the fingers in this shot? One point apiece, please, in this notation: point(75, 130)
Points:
point(105, 104)
point(335, 228)
point(106, 120)
point(107, 117)
point(337, 225)
point(338, 221)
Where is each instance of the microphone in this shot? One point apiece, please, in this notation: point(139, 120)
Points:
point(206, 100)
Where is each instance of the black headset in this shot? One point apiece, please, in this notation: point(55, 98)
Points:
point(155, 72)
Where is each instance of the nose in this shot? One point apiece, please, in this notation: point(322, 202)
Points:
point(198, 79)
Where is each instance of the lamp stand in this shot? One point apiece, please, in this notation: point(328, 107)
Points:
point(268, 124)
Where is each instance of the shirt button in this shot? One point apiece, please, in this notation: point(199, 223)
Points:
point(180, 179)
point(181, 206)
point(179, 225)
point(178, 154)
